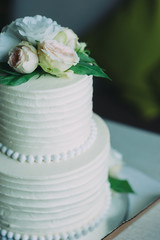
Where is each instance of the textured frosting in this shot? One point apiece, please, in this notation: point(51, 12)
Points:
point(40, 118)
point(56, 158)
point(54, 198)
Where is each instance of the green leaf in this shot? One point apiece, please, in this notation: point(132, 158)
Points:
point(5, 68)
point(22, 79)
point(85, 58)
point(121, 186)
point(6, 80)
point(14, 80)
point(6, 77)
point(87, 51)
point(86, 68)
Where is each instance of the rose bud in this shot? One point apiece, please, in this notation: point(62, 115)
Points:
point(55, 57)
point(23, 58)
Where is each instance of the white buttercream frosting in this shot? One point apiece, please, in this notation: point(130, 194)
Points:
point(63, 156)
point(43, 199)
point(44, 121)
point(46, 115)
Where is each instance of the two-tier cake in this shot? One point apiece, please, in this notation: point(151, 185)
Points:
point(54, 152)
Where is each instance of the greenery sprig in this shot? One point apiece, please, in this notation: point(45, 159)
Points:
point(45, 45)
point(120, 186)
point(88, 65)
point(13, 78)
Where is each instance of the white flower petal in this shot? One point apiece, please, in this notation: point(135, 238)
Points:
point(67, 37)
point(33, 29)
point(7, 42)
point(116, 162)
point(54, 55)
point(23, 58)
point(12, 28)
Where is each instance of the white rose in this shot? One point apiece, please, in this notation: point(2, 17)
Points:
point(115, 162)
point(67, 37)
point(23, 58)
point(55, 57)
point(33, 29)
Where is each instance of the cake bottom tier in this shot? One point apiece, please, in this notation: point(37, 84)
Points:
point(116, 214)
point(56, 201)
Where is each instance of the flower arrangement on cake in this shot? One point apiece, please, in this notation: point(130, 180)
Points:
point(38, 45)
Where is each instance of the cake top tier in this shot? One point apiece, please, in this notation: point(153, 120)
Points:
point(46, 119)
point(38, 45)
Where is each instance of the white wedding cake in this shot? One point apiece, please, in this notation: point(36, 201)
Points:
point(54, 158)
point(54, 152)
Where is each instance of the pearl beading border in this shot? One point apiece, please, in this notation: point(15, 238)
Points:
point(72, 235)
point(53, 157)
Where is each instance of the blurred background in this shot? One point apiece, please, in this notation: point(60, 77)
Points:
point(124, 37)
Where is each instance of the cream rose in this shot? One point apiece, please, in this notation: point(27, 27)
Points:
point(23, 58)
point(55, 57)
point(68, 38)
